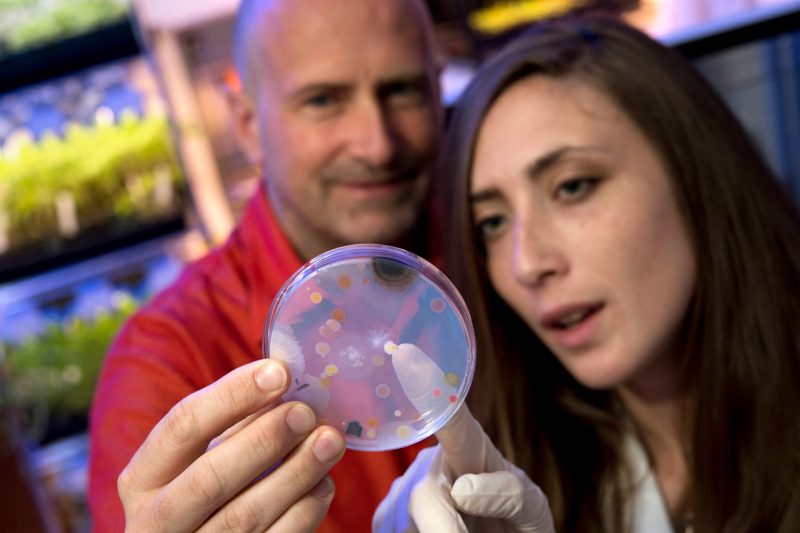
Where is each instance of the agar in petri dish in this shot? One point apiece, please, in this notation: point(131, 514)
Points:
point(378, 341)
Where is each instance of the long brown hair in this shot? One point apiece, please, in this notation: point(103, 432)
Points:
point(742, 362)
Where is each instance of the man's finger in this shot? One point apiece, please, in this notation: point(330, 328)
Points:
point(236, 428)
point(307, 514)
point(185, 432)
point(261, 504)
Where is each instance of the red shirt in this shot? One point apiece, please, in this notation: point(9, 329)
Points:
point(206, 324)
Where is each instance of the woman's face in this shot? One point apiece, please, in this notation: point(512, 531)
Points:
point(583, 235)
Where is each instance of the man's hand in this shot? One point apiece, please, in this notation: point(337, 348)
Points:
point(200, 467)
point(489, 493)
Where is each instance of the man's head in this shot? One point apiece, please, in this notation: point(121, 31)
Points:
point(341, 110)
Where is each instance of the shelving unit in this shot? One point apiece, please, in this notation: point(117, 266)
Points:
point(89, 228)
point(101, 45)
point(189, 43)
point(754, 24)
point(94, 91)
point(753, 59)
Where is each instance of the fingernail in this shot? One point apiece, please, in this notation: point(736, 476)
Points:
point(324, 489)
point(328, 447)
point(300, 419)
point(271, 376)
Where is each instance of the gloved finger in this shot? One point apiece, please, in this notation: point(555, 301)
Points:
point(467, 449)
point(392, 513)
point(462, 437)
point(432, 510)
point(504, 495)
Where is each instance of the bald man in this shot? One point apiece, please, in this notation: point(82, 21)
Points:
point(340, 110)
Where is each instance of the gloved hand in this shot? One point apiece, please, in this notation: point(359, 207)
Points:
point(489, 493)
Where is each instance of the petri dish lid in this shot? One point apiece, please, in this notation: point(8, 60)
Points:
point(378, 341)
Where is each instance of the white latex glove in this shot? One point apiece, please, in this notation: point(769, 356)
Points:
point(489, 494)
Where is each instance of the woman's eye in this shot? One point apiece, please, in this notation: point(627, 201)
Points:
point(575, 189)
point(490, 226)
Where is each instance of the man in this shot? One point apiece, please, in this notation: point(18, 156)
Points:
point(341, 111)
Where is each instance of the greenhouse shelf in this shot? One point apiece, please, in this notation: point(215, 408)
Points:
point(56, 327)
point(102, 45)
point(751, 25)
point(96, 242)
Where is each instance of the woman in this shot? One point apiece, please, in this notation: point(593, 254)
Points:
point(631, 268)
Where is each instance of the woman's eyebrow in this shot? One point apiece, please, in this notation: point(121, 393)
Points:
point(484, 195)
point(535, 169)
point(543, 163)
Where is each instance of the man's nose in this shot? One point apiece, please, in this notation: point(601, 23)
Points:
point(538, 255)
point(372, 138)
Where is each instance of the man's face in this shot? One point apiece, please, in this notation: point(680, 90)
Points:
point(348, 118)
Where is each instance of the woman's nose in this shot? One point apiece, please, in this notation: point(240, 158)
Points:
point(538, 255)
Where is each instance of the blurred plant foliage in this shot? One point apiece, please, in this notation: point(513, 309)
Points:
point(111, 171)
point(29, 23)
point(53, 375)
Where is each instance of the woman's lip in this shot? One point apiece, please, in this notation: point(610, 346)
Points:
point(551, 319)
point(580, 334)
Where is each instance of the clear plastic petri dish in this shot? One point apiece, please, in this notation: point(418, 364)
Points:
point(378, 341)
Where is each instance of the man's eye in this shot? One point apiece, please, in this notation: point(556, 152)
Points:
point(323, 105)
point(490, 226)
point(320, 101)
point(405, 94)
point(575, 189)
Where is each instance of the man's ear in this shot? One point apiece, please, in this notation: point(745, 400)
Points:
point(245, 124)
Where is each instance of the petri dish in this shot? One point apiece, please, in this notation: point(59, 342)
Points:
point(378, 341)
